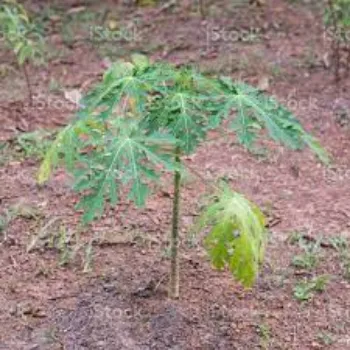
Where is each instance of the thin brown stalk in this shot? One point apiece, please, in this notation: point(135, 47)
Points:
point(174, 254)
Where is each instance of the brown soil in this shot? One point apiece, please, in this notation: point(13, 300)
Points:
point(122, 302)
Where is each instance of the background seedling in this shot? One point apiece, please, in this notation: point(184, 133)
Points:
point(22, 38)
point(337, 20)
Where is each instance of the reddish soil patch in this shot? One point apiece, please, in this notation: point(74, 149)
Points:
point(122, 303)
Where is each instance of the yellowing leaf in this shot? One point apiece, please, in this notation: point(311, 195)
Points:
point(112, 24)
point(238, 236)
point(63, 145)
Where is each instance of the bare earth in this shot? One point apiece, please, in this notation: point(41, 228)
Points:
point(121, 302)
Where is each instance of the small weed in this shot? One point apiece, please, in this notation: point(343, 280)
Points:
point(345, 263)
point(55, 86)
point(54, 235)
point(309, 60)
point(26, 145)
point(325, 338)
point(5, 220)
point(192, 240)
point(341, 245)
point(25, 211)
point(264, 333)
point(276, 70)
point(6, 69)
point(309, 259)
point(305, 261)
point(295, 237)
point(50, 337)
point(305, 290)
point(338, 243)
point(34, 144)
point(166, 252)
point(4, 153)
point(61, 240)
point(18, 210)
point(346, 266)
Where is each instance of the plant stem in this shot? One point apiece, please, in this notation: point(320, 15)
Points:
point(29, 88)
point(335, 40)
point(174, 269)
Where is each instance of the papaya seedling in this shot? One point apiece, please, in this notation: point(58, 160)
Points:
point(22, 38)
point(141, 120)
point(337, 21)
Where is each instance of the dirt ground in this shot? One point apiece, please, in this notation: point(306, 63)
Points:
point(119, 300)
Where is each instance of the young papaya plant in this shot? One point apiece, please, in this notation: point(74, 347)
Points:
point(337, 21)
point(142, 119)
point(21, 37)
